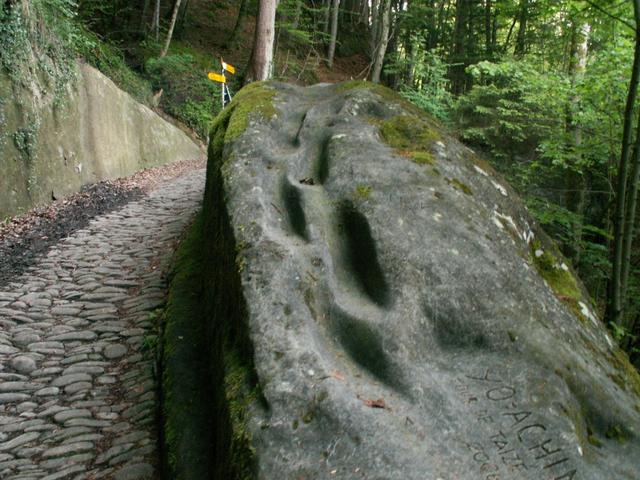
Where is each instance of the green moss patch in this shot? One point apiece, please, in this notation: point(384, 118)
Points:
point(628, 377)
point(410, 136)
point(362, 191)
point(457, 184)
point(256, 99)
point(385, 93)
point(186, 388)
point(209, 380)
point(561, 281)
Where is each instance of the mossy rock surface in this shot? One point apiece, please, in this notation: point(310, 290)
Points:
point(369, 318)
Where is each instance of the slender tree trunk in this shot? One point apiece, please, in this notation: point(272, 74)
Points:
point(143, 17)
point(365, 11)
point(172, 24)
point(156, 21)
point(413, 58)
point(459, 49)
point(494, 31)
point(182, 20)
point(261, 64)
point(239, 26)
point(487, 29)
point(335, 6)
point(295, 23)
point(576, 178)
point(508, 39)
point(381, 49)
point(443, 15)
point(326, 15)
point(375, 22)
point(615, 307)
point(522, 29)
point(629, 226)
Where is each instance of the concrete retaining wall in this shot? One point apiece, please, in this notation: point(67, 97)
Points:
point(96, 132)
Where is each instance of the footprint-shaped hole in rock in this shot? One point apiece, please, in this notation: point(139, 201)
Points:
point(360, 256)
point(363, 344)
point(292, 200)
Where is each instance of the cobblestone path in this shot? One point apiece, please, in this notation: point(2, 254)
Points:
point(78, 395)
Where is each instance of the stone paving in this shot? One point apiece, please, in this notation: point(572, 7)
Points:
point(78, 387)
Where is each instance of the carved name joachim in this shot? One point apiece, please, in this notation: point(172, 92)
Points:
point(520, 438)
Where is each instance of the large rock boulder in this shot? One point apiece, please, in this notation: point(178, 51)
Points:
point(405, 316)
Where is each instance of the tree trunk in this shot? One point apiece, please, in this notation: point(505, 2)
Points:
point(182, 19)
point(460, 47)
point(155, 26)
point(261, 63)
point(381, 49)
point(575, 178)
point(522, 29)
point(413, 58)
point(326, 14)
point(375, 22)
point(174, 16)
point(295, 23)
point(487, 29)
point(630, 218)
point(494, 31)
point(615, 306)
point(143, 17)
point(239, 26)
point(335, 6)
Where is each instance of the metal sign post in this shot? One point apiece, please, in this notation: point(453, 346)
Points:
point(222, 79)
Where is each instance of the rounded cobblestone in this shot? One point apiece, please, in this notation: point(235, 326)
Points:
point(70, 345)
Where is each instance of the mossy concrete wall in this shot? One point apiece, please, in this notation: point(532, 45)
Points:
point(53, 144)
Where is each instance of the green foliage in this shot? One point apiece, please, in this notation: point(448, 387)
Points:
point(39, 34)
point(429, 88)
point(509, 110)
point(556, 274)
point(187, 92)
point(109, 59)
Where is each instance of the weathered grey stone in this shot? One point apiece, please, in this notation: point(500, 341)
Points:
point(71, 378)
point(7, 349)
point(17, 386)
point(65, 473)
point(47, 392)
point(23, 364)
point(77, 387)
point(80, 335)
point(115, 351)
point(72, 413)
point(83, 368)
point(113, 451)
point(13, 397)
point(138, 471)
point(400, 328)
point(26, 407)
point(19, 441)
point(65, 311)
point(25, 338)
point(68, 449)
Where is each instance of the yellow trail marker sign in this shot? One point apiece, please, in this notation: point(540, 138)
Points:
point(229, 68)
point(216, 77)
